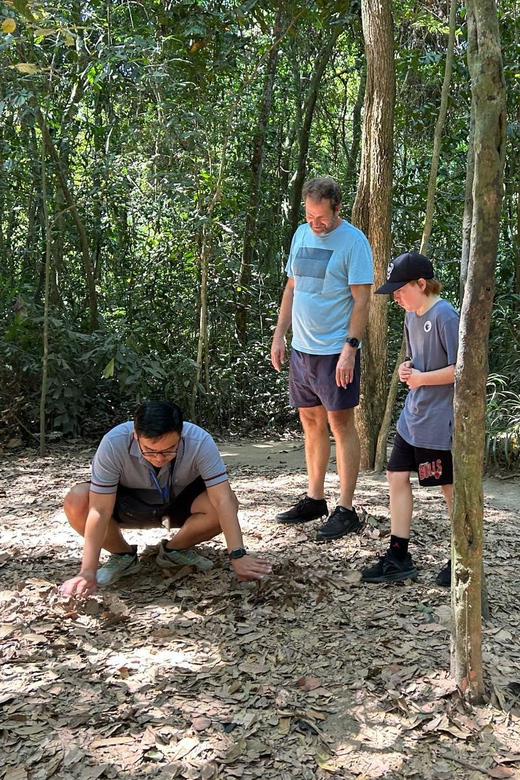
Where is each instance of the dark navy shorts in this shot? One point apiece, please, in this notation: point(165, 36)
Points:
point(433, 467)
point(312, 382)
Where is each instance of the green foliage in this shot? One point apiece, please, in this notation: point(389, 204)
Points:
point(502, 423)
point(144, 102)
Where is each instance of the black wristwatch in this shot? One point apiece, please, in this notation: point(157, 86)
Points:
point(238, 552)
point(354, 342)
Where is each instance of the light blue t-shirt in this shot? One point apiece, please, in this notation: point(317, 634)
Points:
point(432, 341)
point(323, 268)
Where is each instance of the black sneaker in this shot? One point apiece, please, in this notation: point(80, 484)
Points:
point(390, 569)
point(444, 576)
point(305, 510)
point(340, 522)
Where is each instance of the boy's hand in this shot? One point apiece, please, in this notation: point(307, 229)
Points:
point(414, 378)
point(405, 370)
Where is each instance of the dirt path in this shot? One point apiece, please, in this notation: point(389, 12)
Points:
point(308, 674)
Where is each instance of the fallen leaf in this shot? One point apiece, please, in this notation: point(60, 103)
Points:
point(200, 723)
point(308, 683)
point(501, 771)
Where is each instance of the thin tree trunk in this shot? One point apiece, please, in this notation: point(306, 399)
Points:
point(382, 439)
point(202, 345)
point(87, 265)
point(439, 127)
point(356, 129)
point(468, 204)
point(46, 287)
point(305, 132)
point(250, 229)
point(517, 249)
point(428, 221)
point(207, 239)
point(372, 210)
point(488, 95)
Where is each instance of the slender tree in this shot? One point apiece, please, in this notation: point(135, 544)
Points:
point(372, 209)
point(305, 131)
point(250, 229)
point(489, 112)
point(46, 287)
point(382, 437)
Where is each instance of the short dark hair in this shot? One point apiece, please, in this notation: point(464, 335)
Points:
point(323, 187)
point(154, 419)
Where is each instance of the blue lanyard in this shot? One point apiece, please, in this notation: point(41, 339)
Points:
point(165, 491)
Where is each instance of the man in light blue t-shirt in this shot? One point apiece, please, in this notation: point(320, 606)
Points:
point(326, 301)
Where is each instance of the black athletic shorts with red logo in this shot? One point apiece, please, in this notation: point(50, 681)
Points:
point(433, 467)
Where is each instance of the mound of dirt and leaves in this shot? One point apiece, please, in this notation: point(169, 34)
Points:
point(306, 674)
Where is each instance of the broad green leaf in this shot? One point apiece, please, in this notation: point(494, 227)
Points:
point(109, 369)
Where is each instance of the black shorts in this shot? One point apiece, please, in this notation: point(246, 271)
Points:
point(131, 512)
point(433, 467)
point(312, 382)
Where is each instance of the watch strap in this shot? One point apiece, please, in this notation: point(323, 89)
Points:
point(237, 552)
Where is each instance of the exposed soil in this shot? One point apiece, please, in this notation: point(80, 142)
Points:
point(308, 674)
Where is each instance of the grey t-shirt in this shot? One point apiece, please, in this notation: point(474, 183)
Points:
point(432, 341)
point(118, 461)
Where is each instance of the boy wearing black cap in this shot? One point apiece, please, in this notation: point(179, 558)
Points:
point(424, 428)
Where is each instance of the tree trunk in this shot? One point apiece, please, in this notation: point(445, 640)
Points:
point(428, 220)
point(439, 127)
point(356, 130)
point(372, 210)
point(303, 142)
point(488, 95)
point(46, 289)
point(468, 204)
point(203, 340)
point(250, 229)
point(87, 265)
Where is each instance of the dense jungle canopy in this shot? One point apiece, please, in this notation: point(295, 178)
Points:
point(153, 155)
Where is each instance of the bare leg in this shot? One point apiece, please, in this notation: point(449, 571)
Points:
point(201, 525)
point(401, 503)
point(317, 448)
point(347, 453)
point(76, 506)
point(448, 496)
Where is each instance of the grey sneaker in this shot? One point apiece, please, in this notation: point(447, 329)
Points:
point(118, 566)
point(172, 559)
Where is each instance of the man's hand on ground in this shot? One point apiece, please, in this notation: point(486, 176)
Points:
point(82, 585)
point(249, 568)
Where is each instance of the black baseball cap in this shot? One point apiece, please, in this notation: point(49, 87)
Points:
point(406, 268)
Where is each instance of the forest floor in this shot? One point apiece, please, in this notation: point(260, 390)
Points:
point(307, 674)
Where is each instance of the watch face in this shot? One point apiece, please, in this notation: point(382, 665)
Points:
point(238, 553)
point(353, 342)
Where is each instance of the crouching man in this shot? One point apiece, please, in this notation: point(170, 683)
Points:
point(155, 471)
